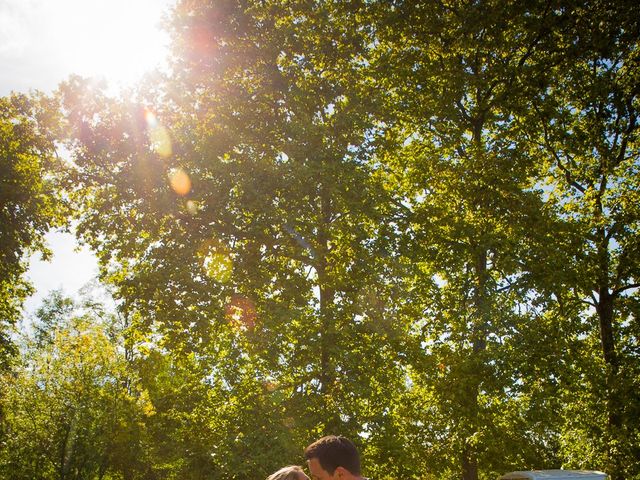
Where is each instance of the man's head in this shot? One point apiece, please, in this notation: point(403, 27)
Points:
point(333, 457)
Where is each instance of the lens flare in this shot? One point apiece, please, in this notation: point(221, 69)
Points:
point(270, 386)
point(180, 181)
point(160, 141)
point(241, 313)
point(216, 260)
point(192, 207)
point(218, 267)
point(159, 138)
point(152, 121)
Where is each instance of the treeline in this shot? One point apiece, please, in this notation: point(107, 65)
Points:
point(413, 223)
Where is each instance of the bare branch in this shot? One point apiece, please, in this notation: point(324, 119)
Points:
point(559, 162)
point(624, 288)
point(628, 132)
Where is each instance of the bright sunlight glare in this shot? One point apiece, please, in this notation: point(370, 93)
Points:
point(118, 40)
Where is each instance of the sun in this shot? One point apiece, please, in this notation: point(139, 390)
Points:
point(118, 40)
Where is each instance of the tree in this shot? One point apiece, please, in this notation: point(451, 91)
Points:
point(335, 217)
point(453, 77)
point(54, 308)
point(587, 137)
point(263, 220)
point(70, 411)
point(29, 206)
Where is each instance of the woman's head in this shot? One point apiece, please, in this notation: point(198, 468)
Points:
point(288, 473)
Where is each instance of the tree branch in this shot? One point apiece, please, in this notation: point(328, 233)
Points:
point(559, 162)
point(625, 137)
point(619, 290)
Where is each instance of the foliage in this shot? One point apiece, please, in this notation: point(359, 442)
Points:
point(413, 223)
point(70, 409)
point(587, 139)
point(473, 218)
point(271, 242)
point(29, 203)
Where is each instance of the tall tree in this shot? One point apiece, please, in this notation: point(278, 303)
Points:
point(587, 135)
point(251, 212)
point(70, 410)
point(29, 205)
point(453, 76)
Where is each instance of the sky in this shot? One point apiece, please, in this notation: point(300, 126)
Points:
point(42, 42)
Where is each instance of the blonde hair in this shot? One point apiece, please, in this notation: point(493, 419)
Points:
point(291, 472)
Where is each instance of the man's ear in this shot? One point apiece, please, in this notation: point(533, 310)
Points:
point(340, 472)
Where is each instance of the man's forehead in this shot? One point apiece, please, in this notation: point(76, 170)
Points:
point(314, 465)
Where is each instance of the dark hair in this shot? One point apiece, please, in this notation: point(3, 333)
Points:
point(333, 452)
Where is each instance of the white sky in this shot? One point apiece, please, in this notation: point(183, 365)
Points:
point(42, 42)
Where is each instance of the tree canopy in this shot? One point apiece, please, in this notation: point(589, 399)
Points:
point(30, 203)
point(411, 223)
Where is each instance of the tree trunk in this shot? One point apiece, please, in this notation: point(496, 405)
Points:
point(605, 309)
point(469, 452)
point(469, 463)
point(605, 312)
point(327, 299)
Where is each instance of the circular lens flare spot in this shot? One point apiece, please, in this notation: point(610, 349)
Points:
point(159, 138)
point(270, 386)
point(160, 141)
point(151, 119)
point(216, 260)
point(218, 266)
point(180, 181)
point(241, 313)
point(192, 207)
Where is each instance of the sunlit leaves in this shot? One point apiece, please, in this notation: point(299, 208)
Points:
point(160, 141)
point(216, 261)
point(69, 403)
point(384, 220)
point(587, 136)
point(30, 202)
